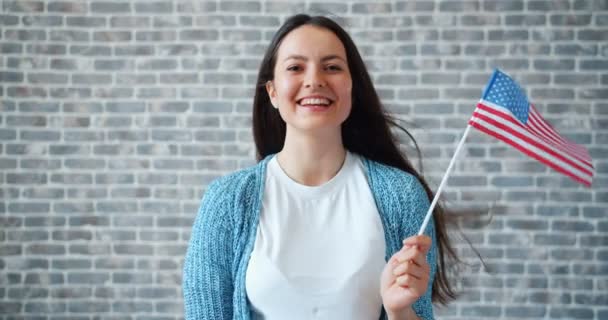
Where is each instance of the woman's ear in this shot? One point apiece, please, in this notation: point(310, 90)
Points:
point(272, 93)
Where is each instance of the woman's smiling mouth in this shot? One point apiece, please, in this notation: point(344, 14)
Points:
point(314, 102)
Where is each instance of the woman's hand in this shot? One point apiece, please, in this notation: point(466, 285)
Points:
point(405, 278)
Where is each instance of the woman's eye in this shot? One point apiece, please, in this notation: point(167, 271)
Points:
point(334, 68)
point(293, 68)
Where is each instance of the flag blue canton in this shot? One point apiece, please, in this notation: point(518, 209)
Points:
point(505, 92)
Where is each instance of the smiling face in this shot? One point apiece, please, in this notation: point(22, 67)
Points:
point(312, 84)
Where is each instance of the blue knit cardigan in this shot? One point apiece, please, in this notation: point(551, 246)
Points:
point(224, 232)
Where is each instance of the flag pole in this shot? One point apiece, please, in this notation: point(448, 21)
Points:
point(429, 213)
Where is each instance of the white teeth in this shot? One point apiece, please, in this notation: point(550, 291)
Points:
point(314, 101)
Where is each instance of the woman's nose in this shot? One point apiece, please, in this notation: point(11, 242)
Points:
point(314, 80)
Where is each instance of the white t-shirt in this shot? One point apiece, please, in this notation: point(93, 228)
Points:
point(319, 251)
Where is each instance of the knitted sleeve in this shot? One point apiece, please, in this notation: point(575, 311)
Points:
point(207, 277)
point(416, 202)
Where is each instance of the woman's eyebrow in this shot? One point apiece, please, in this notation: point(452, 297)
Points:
point(326, 58)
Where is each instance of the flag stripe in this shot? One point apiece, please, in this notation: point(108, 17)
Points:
point(528, 143)
point(541, 132)
point(580, 154)
point(542, 123)
point(537, 126)
point(584, 179)
point(507, 123)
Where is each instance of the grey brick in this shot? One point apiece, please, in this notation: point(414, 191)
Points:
point(156, 293)
point(480, 310)
point(418, 94)
point(71, 235)
point(132, 221)
point(591, 35)
point(68, 7)
point(131, 307)
point(463, 35)
point(241, 35)
point(570, 254)
point(112, 36)
point(552, 34)
point(88, 306)
point(44, 221)
point(596, 64)
point(26, 235)
point(159, 236)
point(525, 20)
point(134, 249)
point(110, 7)
point(72, 292)
point(501, 6)
point(573, 79)
point(113, 65)
point(26, 178)
point(25, 35)
point(571, 19)
point(554, 239)
point(77, 221)
point(552, 94)
point(72, 178)
point(222, 78)
point(164, 35)
point(173, 22)
point(157, 178)
point(114, 263)
point(85, 21)
point(458, 6)
point(576, 226)
point(88, 249)
point(590, 5)
point(527, 224)
point(490, 49)
point(69, 35)
point(207, 107)
point(196, 7)
point(508, 35)
point(70, 92)
point(9, 20)
point(154, 7)
point(180, 78)
point(548, 5)
point(139, 192)
point(379, 7)
point(44, 307)
point(45, 249)
point(172, 164)
point(90, 50)
point(9, 48)
point(90, 278)
point(563, 64)
point(71, 264)
point(42, 20)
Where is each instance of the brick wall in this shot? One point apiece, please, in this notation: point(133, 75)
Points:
point(115, 115)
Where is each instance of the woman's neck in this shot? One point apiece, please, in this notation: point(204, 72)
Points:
point(312, 160)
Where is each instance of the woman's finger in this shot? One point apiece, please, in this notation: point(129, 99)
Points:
point(419, 259)
point(409, 268)
point(416, 286)
point(423, 242)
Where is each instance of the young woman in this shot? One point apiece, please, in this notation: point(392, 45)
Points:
point(316, 229)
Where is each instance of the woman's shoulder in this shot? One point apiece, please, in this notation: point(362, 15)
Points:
point(390, 177)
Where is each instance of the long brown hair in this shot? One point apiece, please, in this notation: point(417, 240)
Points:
point(366, 131)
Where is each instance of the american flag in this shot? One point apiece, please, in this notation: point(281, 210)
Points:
point(505, 113)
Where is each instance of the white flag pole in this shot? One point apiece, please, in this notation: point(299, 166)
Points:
point(445, 178)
